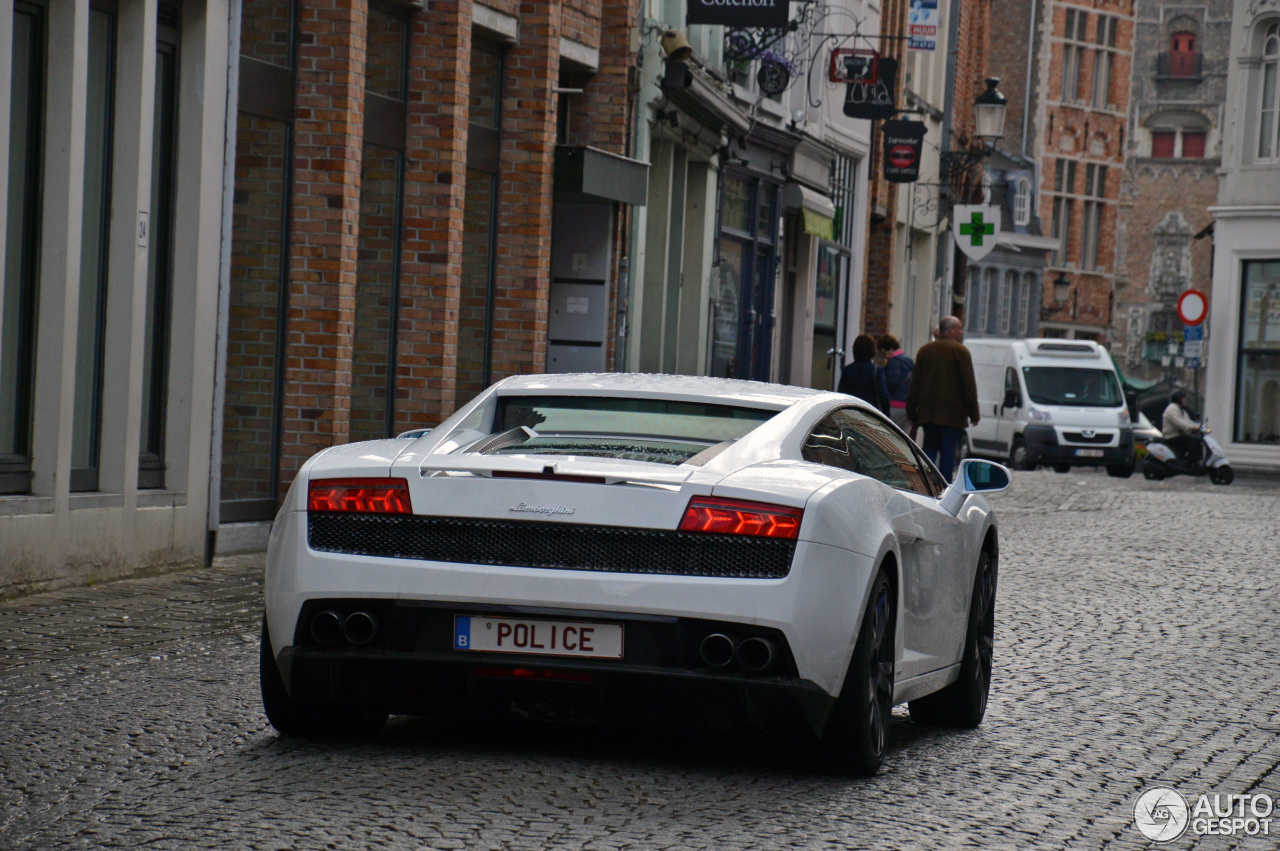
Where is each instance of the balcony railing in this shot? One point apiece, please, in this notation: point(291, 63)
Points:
point(1180, 66)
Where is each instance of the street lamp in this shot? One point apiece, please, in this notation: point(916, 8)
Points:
point(1061, 292)
point(988, 113)
point(988, 118)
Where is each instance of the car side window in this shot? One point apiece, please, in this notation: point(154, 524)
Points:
point(826, 445)
point(855, 440)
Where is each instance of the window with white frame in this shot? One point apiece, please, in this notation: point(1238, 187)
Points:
point(1269, 107)
point(1022, 201)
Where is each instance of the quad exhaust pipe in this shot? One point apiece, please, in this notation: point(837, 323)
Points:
point(358, 628)
point(717, 650)
point(754, 655)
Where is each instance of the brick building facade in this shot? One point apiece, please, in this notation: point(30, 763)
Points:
point(1081, 103)
point(1171, 181)
point(393, 213)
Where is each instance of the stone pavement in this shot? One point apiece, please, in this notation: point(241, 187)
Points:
point(1136, 645)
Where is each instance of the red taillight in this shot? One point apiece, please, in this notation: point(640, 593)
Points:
point(367, 496)
point(739, 517)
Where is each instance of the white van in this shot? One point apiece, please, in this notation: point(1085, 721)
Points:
point(1050, 401)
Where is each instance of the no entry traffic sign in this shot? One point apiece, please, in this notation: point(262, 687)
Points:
point(1193, 306)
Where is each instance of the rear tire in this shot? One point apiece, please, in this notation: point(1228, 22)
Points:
point(1019, 459)
point(1223, 475)
point(857, 733)
point(301, 714)
point(1151, 472)
point(964, 703)
point(1062, 468)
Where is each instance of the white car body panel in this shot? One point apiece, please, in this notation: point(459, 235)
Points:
point(852, 524)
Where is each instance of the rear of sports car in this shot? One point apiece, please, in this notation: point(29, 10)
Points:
point(560, 555)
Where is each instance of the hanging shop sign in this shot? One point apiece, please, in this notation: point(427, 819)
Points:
point(903, 142)
point(922, 25)
point(739, 13)
point(976, 227)
point(874, 99)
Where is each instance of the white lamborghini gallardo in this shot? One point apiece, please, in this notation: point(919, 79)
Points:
point(616, 541)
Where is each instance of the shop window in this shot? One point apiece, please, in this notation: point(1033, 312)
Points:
point(21, 240)
point(164, 147)
point(1258, 373)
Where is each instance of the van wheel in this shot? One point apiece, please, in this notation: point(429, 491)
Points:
point(1018, 458)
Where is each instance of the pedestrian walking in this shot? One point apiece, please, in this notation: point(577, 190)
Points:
point(943, 398)
point(897, 375)
point(862, 378)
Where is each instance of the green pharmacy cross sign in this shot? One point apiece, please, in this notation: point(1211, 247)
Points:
point(976, 228)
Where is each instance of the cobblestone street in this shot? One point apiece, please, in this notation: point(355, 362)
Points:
point(1136, 645)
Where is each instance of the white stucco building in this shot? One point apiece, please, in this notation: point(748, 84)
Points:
point(1243, 387)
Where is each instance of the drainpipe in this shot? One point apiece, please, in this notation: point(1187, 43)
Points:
point(224, 280)
point(944, 247)
point(1026, 87)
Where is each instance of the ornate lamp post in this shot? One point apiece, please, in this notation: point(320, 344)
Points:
point(1061, 292)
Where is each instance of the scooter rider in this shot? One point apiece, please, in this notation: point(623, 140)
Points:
point(1180, 432)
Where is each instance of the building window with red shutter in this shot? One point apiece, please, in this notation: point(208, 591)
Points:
point(1162, 144)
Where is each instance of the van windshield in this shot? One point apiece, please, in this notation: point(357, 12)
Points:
point(1073, 386)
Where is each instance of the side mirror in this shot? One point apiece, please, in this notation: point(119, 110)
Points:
point(983, 476)
point(974, 476)
point(1012, 399)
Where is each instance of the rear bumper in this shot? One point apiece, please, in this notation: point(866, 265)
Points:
point(815, 610)
point(1043, 447)
point(412, 667)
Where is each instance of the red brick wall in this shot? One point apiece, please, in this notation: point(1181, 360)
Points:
point(327, 132)
point(257, 257)
point(440, 43)
point(882, 225)
point(1081, 133)
point(525, 193)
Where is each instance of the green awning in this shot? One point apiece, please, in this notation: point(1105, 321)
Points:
point(816, 224)
point(1137, 385)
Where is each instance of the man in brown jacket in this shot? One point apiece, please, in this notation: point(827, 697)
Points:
point(944, 395)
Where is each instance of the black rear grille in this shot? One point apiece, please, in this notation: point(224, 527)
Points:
point(1080, 437)
point(551, 545)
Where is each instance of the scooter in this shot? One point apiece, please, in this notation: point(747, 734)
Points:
point(1162, 462)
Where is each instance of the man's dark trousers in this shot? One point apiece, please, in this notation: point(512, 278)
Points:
point(940, 444)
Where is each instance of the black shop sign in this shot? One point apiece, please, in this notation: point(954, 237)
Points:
point(874, 98)
point(903, 142)
point(739, 13)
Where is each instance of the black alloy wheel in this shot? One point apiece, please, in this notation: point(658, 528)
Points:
point(857, 733)
point(964, 703)
point(1223, 475)
point(1151, 470)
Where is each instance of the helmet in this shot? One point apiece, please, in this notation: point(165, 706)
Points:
point(1178, 397)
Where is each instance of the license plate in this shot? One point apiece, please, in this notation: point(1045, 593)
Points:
point(544, 638)
point(1089, 453)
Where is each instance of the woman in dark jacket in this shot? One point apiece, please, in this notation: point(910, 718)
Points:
point(862, 378)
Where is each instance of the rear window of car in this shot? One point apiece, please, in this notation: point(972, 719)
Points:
point(658, 430)
point(1073, 386)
